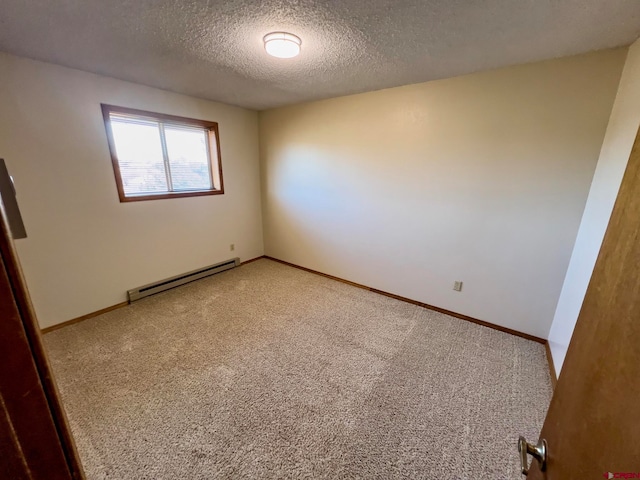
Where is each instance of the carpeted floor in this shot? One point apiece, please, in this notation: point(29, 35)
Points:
point(266, 371)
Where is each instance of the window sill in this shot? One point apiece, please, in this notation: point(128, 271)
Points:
point(164, 196)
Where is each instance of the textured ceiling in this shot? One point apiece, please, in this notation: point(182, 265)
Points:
point(213, 49)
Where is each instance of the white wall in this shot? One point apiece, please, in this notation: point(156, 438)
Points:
point(481, 178)
point(85, 248)
point(621, 132)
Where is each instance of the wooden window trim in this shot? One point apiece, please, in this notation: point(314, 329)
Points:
point(214, 146)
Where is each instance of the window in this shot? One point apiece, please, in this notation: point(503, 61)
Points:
point(162, 156)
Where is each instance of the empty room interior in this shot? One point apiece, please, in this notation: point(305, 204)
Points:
point(296, 239)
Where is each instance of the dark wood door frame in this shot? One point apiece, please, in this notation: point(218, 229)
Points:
point(35, 437)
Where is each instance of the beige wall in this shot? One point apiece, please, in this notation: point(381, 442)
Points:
point(85, 248)
point(621, 132)
point(481, 178)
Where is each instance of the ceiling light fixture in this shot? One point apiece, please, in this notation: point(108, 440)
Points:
point(282, 44)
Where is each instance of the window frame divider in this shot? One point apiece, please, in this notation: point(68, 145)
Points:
point(165, 155)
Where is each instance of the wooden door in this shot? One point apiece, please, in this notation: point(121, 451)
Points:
point(593, 424)
point(35, 440)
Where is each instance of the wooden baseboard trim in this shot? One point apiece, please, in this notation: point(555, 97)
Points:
point(252, 260)
point(420, 304)
point(358, 285)
point(105, 310)
point(552, 368)
point(83, 317)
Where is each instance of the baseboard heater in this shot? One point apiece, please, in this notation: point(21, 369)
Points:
point(166, 284)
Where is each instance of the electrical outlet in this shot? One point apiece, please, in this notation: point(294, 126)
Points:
point(232, 247)
point(457, 286)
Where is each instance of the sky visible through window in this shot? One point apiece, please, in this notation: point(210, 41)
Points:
point(141, 159)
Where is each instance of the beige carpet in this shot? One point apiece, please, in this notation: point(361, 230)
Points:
point(266, 371)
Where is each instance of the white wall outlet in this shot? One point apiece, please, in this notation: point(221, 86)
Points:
point(232, 247)
point(457, 286)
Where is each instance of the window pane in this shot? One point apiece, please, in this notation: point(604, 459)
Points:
point(139, 151)
point(188, 160)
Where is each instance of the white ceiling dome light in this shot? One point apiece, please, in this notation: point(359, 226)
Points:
point(282, 44)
